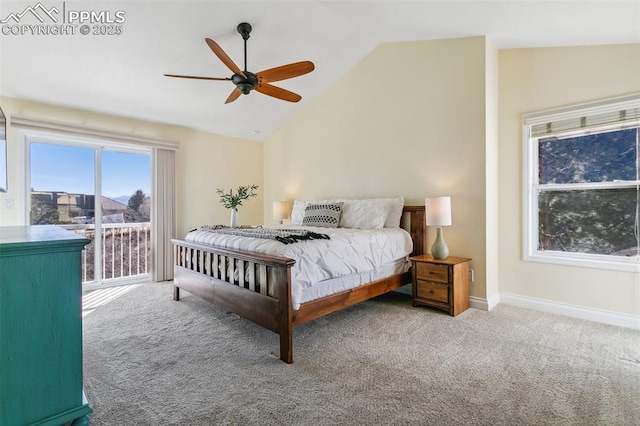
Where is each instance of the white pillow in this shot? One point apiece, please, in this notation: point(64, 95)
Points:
point(364, 214)
point(297, 213)
point(395, 212)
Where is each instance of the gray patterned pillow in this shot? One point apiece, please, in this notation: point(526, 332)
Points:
point(322, 215)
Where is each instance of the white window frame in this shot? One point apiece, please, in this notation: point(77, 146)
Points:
point(531, 185)
point(163, 212)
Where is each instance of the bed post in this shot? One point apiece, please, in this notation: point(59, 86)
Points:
point(176, 262)
point(285, 312)
point(176, 293)
point(416, 227)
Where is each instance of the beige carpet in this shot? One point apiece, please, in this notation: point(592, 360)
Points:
point(151, 361)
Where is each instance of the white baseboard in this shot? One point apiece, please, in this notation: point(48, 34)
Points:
point(590, 314)
point(478, 303)
point(484, 304)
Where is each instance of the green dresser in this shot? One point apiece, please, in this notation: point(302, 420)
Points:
point(41, 327)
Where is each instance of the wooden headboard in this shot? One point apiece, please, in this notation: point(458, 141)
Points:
point(415, 225)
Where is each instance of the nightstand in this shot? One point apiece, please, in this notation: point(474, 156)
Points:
point(442, 284)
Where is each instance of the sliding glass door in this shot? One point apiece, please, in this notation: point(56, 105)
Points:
point(101, 192)
point(126, 214)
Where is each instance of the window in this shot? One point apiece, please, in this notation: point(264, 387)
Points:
point(582, 184)
point(101, 193)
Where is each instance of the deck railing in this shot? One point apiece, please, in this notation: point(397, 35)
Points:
point(126, 250)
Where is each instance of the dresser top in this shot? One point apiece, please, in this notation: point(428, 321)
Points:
point(24, 237)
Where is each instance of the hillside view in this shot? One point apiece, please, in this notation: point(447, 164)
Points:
point(58, 207)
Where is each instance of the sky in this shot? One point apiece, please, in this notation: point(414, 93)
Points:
point(71, 169)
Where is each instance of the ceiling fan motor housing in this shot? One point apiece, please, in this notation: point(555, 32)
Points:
point(245, 85)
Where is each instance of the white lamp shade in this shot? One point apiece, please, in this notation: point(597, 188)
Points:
point(281, 210)
point(438, 211)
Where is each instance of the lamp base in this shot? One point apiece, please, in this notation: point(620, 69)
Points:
point(439, 249)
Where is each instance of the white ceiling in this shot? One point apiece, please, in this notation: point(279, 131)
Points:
point(123, 74)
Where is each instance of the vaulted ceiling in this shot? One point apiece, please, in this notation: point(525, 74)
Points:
point(122, 74)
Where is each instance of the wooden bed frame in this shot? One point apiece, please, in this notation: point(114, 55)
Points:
point(262, 291)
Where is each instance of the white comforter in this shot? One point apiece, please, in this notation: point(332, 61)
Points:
point(349, 258)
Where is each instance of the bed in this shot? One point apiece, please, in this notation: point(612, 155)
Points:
point(259, 286)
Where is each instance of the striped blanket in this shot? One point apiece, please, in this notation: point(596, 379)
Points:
point(284, 235)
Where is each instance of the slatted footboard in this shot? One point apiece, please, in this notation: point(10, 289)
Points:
point(252, 285)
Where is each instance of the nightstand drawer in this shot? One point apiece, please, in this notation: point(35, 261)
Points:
point(432, 272)
point(432, 291)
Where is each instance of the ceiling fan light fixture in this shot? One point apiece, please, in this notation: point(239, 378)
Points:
point(245, 88)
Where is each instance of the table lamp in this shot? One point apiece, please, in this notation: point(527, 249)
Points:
point(281, 210)
point(438, 212)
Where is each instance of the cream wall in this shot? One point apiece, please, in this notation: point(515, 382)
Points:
point(408, 120)
point(539, 79)
point(204, 162)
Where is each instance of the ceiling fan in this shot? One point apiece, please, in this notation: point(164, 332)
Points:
point(246, 81)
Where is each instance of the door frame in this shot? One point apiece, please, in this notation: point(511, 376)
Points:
point(98, 146)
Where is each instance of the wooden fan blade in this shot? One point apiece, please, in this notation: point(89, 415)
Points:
point(224, 57)
point(286, 71)
point(196, 77)
point(278, 92)
point(233, 96)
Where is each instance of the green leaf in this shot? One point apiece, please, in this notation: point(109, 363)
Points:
point(231, 201)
